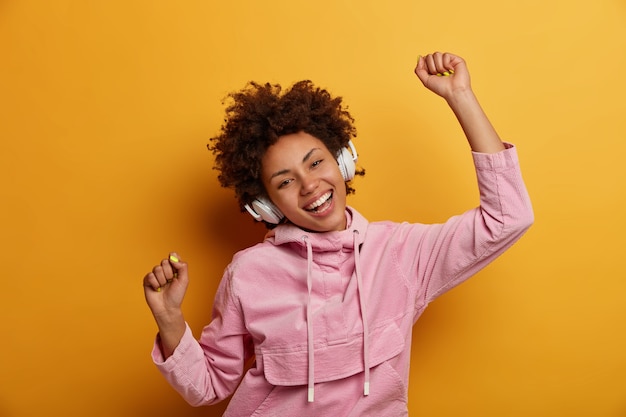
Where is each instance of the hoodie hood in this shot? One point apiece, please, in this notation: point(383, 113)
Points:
point(322, 242)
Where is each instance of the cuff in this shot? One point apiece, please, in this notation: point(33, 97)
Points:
point(183, 346)
point(504, 159)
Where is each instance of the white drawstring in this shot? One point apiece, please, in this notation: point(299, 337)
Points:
point(309, 319)
point(359, 283)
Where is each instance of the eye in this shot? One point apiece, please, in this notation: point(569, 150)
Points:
point(316, 163)
point(284, 183)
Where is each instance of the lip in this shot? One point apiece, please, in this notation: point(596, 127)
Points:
point(317, 197)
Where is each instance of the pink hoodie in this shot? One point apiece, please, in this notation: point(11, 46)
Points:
point(328, 316)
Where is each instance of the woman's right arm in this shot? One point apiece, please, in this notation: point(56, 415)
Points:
point(164, 288)
point(202, 371)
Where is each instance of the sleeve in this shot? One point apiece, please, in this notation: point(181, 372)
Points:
point(208, 370)
point(451, 252)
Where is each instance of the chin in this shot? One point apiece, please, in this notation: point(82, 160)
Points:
point(335, 222)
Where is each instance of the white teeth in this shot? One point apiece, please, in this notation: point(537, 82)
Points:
point(319, 201)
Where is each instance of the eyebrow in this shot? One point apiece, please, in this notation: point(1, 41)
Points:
point(284, 171)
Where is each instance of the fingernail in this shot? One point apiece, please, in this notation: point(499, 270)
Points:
point(451, 71)
point(418, 58)
point(446, 73)
point(159, 289)
point(173, 258)
point(439, 75)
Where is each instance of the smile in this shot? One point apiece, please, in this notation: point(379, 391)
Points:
point(317, 204)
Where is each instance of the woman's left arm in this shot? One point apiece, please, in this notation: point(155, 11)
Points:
point(447, 75)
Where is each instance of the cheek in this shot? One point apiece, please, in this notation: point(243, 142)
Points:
point(283, 199)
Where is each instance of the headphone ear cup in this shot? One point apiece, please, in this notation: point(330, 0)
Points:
point(267, 211)
point(346, 161)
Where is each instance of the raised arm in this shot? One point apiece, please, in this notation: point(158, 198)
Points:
point(447, 75)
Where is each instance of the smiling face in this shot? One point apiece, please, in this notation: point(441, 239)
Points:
point(303, 180)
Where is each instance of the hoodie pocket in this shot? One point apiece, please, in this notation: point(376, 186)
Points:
point(342, 397)
point(289, 367)
point(388, 395)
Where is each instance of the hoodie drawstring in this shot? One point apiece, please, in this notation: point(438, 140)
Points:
point(309, 319)
point(362, 305)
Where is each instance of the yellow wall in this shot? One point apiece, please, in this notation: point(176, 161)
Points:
point(105, 110)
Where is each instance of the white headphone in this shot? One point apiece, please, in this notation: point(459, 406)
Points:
point(263, 209)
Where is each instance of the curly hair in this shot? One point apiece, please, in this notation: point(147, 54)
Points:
point(258, 115)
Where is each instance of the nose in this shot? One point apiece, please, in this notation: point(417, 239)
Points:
point(309, 184)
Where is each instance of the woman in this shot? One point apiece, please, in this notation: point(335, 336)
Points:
point(326, 303)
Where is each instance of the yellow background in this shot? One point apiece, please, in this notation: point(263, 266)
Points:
point(105, 110)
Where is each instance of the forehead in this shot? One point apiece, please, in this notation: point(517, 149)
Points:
point(290, 150)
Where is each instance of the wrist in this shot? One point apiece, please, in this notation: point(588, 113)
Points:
point(461, 98)
point(172, 327)
point(169, 320)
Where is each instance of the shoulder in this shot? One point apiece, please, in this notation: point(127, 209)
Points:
point(394, 234)
point(258, 254)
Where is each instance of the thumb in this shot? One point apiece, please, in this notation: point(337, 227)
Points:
point(420, 69)
point(179, 267)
